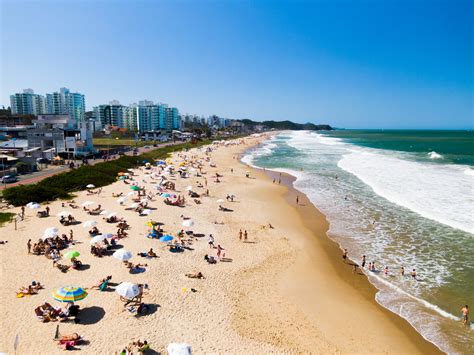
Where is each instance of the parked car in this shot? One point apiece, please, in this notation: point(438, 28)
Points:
point(43, 161)
point(7, 179)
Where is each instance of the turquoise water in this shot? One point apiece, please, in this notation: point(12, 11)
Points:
point(402, 198)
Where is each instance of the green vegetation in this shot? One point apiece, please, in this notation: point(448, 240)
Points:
point(287, 125)
point(124, 142)
point(6, 217)
point(101, 174)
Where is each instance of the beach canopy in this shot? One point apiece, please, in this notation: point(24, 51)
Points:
point(90, 223)
point(165, 195)
point(87, 203)
point(127, 290)
point(71, 254)
point(64, 214)
point(135, 188)
point(90, 186)
point(51, 232)
point(122, 254)
point(33, 205)
point(97, 239)
point(69, 294)
point(188, 223)
point(179, 349)
point(166, 238)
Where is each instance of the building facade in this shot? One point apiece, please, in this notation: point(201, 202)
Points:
point(65, 102)
point(27, 103)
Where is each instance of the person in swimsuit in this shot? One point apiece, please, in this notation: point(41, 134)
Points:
point(344, 255)
point(402, 271)
point(465, 315)
point(363, 261)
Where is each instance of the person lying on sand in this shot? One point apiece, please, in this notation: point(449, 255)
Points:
point(210, 259)
point(102, 284)
point(195, 275)
point(63, 268)
point(26, 291)
point(131, 266)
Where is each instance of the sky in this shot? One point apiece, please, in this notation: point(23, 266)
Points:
point(351, 64)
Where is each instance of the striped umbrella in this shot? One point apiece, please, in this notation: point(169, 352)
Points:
point(69, 294)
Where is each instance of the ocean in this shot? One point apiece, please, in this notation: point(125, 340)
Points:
point(402, 198)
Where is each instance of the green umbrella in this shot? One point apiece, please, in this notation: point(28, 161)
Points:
point(71, 254)
point(135, 188)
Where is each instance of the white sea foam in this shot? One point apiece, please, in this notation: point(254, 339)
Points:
point(434, 155)
point(437, 192)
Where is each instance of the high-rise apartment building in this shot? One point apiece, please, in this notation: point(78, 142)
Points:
point(27, 103)
point(65, 102)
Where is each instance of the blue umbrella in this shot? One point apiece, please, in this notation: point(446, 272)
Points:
point(160, 162)
point(166, 238)
point(165, 195)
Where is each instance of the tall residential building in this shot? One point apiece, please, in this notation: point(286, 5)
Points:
point(27, 103)
point(173, 119)
point(65, 102)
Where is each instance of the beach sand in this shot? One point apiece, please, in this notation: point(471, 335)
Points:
point(285, 290)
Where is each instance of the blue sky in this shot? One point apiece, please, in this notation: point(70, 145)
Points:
point(353, 64)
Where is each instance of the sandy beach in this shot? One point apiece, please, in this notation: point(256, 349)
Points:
point(284, 290)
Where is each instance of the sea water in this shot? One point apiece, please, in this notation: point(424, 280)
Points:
point(402, 198)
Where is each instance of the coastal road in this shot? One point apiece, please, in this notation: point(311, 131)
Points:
point(45, 173)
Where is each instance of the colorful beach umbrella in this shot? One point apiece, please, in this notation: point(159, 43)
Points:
point(127, 290)
point(135, 188)
point(166, 238)
point(69, 294)
point(71, 254)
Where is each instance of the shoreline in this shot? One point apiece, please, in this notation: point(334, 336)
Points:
point(315, 221)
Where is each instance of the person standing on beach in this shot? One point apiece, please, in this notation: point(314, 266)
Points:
point(465, 315)
point(245, 235)
point(273, 180)
point(211, 242)
point(28, 245)
point(344, 255)
point(240, 235)
point(297, 200)
point(385, 270)
point(370, 266)
point(363, 261)
point(413, 274)
point(402, 271)
point(22, 213)
point(279, 181)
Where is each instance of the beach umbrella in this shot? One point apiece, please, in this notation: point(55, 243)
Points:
point(122, 177)
point(189, 188)
point(126, 174)
point(51, 232)
point(90, 223)
point(131, 193)
point(127, 290)
point(122, 199)
point(166, 195)
point(87, 203)
point(131, 170)
point(143, 200)
point(134, 205)
point(104, 212)
point(160, 162)
point(90, 186)
point(69, 294)
point(146, 212)
point(166, 238)
point(220, 200)
point(188, 223)
point(64, 214)
point(33, 205)
point(179, 349)
point(71, 254)
point(97, 239)
point(135, 188)
point(108, 235)
point(122, 254)
point(111, 214)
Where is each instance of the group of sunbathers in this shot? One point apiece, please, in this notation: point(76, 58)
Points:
point(47, 313)
point(65, 221)
point(30, 289)
point(50, 247)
